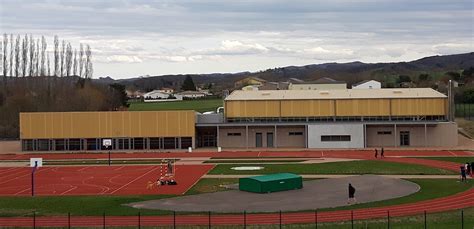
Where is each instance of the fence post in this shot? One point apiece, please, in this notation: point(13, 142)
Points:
point(139, 221)
point(245, 219)
point(462, 219)
point(34, 219)
point(388, 219)
point(209, 219)
point(174, 219)
point(69, 220)
point(425, 218)
point(352, 219)
point(316, 218)
point(280, 219)
point(103, 220)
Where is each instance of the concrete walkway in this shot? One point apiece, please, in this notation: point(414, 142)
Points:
point(321, 176)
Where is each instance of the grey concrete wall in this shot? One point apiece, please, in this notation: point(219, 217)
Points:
point(442, 134)
point(356, 131)
point(284, 139)
point(226, 141)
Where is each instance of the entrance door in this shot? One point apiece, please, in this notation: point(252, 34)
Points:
point(258, 140)
point(404, 138)
point(269, 139)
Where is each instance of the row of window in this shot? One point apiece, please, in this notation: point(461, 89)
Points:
point(338, 119)
point(384, 132)
point(335, 138)
point(289, 133)
point(83, 144)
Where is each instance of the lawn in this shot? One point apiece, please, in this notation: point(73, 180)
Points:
point(348, 167)
point(113, 205)
point(460, 160)
point(199, 105)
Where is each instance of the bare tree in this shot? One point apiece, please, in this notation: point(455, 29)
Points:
point(11, 55)
point(62, 57)
point(74, 63)
point(5, 59)
point(56, 56)
point(17, 56)
point(88, 64)
point(48, 65)
point(24, 56)
point(32, 56)
point(37, 58)
point(43, 56)
point(68, 63)
point(81, 59)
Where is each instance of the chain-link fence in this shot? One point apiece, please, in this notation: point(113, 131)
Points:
point(464, 110)
point(363, 218)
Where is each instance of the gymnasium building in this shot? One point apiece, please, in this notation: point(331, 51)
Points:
point(414, 117)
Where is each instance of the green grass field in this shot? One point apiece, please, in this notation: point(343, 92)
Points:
point(113, 205)
point(349, 167)
point(460, 160)
point(199, 105)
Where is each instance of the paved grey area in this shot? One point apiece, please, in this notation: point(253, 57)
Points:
point(315, 194)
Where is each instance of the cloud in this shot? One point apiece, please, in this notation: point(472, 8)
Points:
point(452, 48)
point(122, 59)
point(226, 35)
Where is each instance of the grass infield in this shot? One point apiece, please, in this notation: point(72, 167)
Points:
point(460, 160)
point(199, 105)
point(347, 167)
point(113, 205)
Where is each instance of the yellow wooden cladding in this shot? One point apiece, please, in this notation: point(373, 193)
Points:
point(336, 107)
point(406, 107)
point(307, 108)
point(107, 124)
point(363, 107)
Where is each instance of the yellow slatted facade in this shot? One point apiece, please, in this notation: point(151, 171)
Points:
point(107, 124)
point(406, 107)
point(336, 107)
point(363, 107)
point(307, 108)
point(249, 108)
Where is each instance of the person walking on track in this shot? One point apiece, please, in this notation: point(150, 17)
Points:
point(376, 153)
point(381, 153)
point(352, 198)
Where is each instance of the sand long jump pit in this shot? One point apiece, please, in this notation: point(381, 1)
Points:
point(316, 194)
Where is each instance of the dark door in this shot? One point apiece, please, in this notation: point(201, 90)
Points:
point(404, 138)
point(258, 140)
point(269, 139)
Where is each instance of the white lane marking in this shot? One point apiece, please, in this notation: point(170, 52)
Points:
point(123, 186)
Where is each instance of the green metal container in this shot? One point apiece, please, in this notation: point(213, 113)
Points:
point(271, 183)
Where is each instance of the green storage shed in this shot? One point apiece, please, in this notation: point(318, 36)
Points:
point(271, 183)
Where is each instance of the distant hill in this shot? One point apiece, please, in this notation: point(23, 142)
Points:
point(349, 72)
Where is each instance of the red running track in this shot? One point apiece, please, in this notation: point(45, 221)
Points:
point(96, 180)
point(363, 154)
point(458, 201)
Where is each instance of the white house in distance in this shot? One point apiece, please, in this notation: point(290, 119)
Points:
point(323, 83)
point(367, 84)
point(159, 96)
point(191, 94)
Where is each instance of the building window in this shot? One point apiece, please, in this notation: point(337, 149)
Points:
point(234, 134)
point(335, 138)
point(295, 133)
point(384, 132)
point(186, 142)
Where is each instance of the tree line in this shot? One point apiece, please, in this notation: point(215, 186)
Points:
point(42, 77)
point(26, 55)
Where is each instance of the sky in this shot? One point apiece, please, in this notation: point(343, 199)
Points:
point(138, 38)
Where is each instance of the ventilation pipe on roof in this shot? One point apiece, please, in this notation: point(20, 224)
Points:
point(324, 92)
point(397, 91)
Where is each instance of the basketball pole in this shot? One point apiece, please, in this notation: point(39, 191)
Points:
point(33, 179)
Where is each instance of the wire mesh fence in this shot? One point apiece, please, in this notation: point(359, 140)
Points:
point(464, 110)
point(292, 220)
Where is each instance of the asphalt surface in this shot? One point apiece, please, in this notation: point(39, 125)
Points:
point(315, 194)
